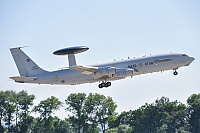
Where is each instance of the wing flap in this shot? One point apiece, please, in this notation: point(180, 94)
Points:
point(23, 79)
point(84, 68)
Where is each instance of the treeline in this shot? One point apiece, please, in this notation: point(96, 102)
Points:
point(95, 113)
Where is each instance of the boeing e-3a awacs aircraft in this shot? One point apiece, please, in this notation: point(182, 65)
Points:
point(30, 72)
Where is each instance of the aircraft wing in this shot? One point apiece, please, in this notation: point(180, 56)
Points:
point(22, 79)
point(105, 71)
point(85, 69)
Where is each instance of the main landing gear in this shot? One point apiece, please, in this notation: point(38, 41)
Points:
point(104, 84)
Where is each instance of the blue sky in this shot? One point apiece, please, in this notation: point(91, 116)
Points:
point(112, 30)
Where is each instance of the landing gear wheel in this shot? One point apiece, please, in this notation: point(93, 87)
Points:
point(175, 73)
point(104, 84)
point(100, 86)
point(108, 84)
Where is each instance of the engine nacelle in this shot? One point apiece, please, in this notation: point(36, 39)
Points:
point(107, 71)
point(124, 73)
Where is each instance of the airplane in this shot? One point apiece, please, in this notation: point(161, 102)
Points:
point(30, 72)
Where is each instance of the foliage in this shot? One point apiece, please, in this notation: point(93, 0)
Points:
point(120, 129)
point(22, 105)
point(194, 112)
point(90, 112)
point(161, 116)
point(46, 108)
point(18, 104)
point(101, 110)
point(76, 105)
point(95, 113)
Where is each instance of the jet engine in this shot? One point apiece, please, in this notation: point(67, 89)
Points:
point(107, 71)
point(124, 73)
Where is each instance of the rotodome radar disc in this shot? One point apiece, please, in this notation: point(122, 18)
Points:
point(71, 50)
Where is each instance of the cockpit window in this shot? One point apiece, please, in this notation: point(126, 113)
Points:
point(184, 55)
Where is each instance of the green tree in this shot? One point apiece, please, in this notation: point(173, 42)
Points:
point(112, 130)
point(76, 105)
point(59, 126)
point(164, 113)
point(46, 108)
point(9, 109)
point(37, 126)
point(90, 112)
point(124, 129)
point(194, 112)
point(101, 110)
point(2, 109)
point(24, 102)
point(62, 126)
point(120, 129)
point(173, 115)
point(132, 118)
point(161, 116)
point(93, 104)
point(13, 103)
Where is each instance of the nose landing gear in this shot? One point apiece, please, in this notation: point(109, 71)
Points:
point(105, 84)
point(175, 73)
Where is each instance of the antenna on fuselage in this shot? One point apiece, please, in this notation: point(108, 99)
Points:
point(71, 51)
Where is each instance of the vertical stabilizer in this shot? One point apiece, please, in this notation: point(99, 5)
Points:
point(26, 66)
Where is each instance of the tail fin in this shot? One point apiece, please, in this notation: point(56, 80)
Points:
point(26, 66)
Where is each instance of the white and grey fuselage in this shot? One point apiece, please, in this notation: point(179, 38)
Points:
point(102, 72)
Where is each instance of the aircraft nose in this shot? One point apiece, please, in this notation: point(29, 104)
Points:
point(192, 59)
point(189, 60)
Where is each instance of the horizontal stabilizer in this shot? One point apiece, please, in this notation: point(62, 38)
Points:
point(23, 79)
